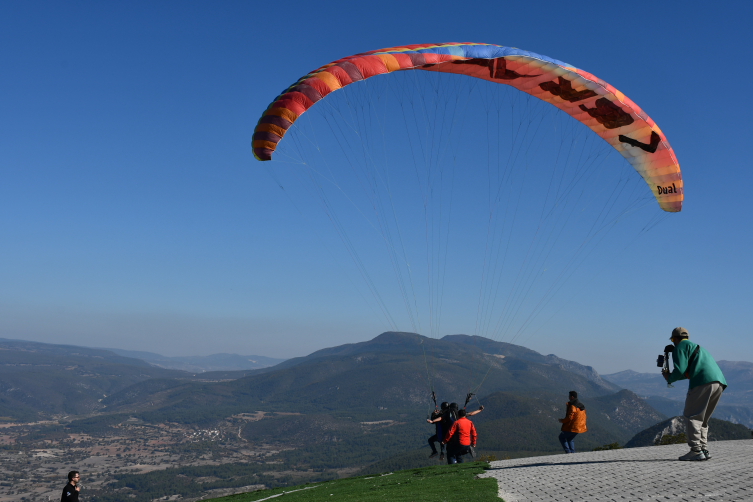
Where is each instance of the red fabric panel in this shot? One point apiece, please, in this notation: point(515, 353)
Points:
point(351, 70)
point(436, 58)
point(369, 66)
point(318, 85)
point(340, 74)
point(403, 59)
point(290, 104)
point(298, 97)
point(308, 91)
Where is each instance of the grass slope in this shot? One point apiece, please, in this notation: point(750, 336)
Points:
point(435, 484)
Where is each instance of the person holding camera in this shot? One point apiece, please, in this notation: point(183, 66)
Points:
point(693, 362)
point(70, 492)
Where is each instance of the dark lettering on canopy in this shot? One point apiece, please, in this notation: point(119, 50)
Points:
point(497, 68)
point(608, 114)
point(564, 89)
point(666, 190)
point(650, 147)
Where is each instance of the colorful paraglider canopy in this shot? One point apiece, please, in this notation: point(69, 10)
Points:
point(586, 98)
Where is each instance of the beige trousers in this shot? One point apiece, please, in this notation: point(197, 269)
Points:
point(699, 405)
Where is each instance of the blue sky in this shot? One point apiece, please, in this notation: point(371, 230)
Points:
point(133, 215)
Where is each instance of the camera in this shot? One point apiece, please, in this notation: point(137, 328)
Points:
point(663, 360)
point(660, 361)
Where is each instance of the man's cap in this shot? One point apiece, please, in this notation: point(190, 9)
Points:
point(679, 333)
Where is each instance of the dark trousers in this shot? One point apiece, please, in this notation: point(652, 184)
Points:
point(434, 439)
point(566, 439)
point(455, 453)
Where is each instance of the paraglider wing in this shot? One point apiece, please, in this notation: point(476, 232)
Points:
point(590, 100)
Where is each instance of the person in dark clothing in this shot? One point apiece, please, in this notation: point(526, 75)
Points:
point(574, 422)
point(70, 492)
point(448, 418)
point(436, 419)
point(460, 439)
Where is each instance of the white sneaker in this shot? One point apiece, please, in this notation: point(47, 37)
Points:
point(693, 455)
point(707, 454)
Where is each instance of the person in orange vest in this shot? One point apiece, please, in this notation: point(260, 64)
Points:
point(574, 422)
point(460, 439)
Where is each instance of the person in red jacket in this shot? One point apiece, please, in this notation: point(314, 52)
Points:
point(460, 439)
point(574, 422)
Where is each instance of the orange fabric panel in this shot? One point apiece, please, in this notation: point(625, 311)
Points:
point(271, 128)
point(389, 61)
point(282, 112)
point(260, 143)
point(329, 80)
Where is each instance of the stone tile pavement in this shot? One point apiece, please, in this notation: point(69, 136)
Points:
point(650, 474)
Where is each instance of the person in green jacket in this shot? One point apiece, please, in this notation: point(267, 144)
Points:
point(693, 362)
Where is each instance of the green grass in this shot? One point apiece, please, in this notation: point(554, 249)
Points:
point(431, 484)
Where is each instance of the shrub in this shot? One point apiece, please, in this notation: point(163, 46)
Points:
point(669, 439)
point(610, 446)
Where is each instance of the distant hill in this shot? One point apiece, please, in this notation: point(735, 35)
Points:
point(719, 430)
point(735, 414)
point(518, 352)
point(200, 364)
point(355, 406)
point(39, 380)
point(388, 372)
point(736, 404)
point(518, 423)
point(739, 376)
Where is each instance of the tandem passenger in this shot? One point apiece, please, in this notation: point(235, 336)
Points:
point(460, 439)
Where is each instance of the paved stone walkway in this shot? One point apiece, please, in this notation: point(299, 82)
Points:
point(651, 474)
